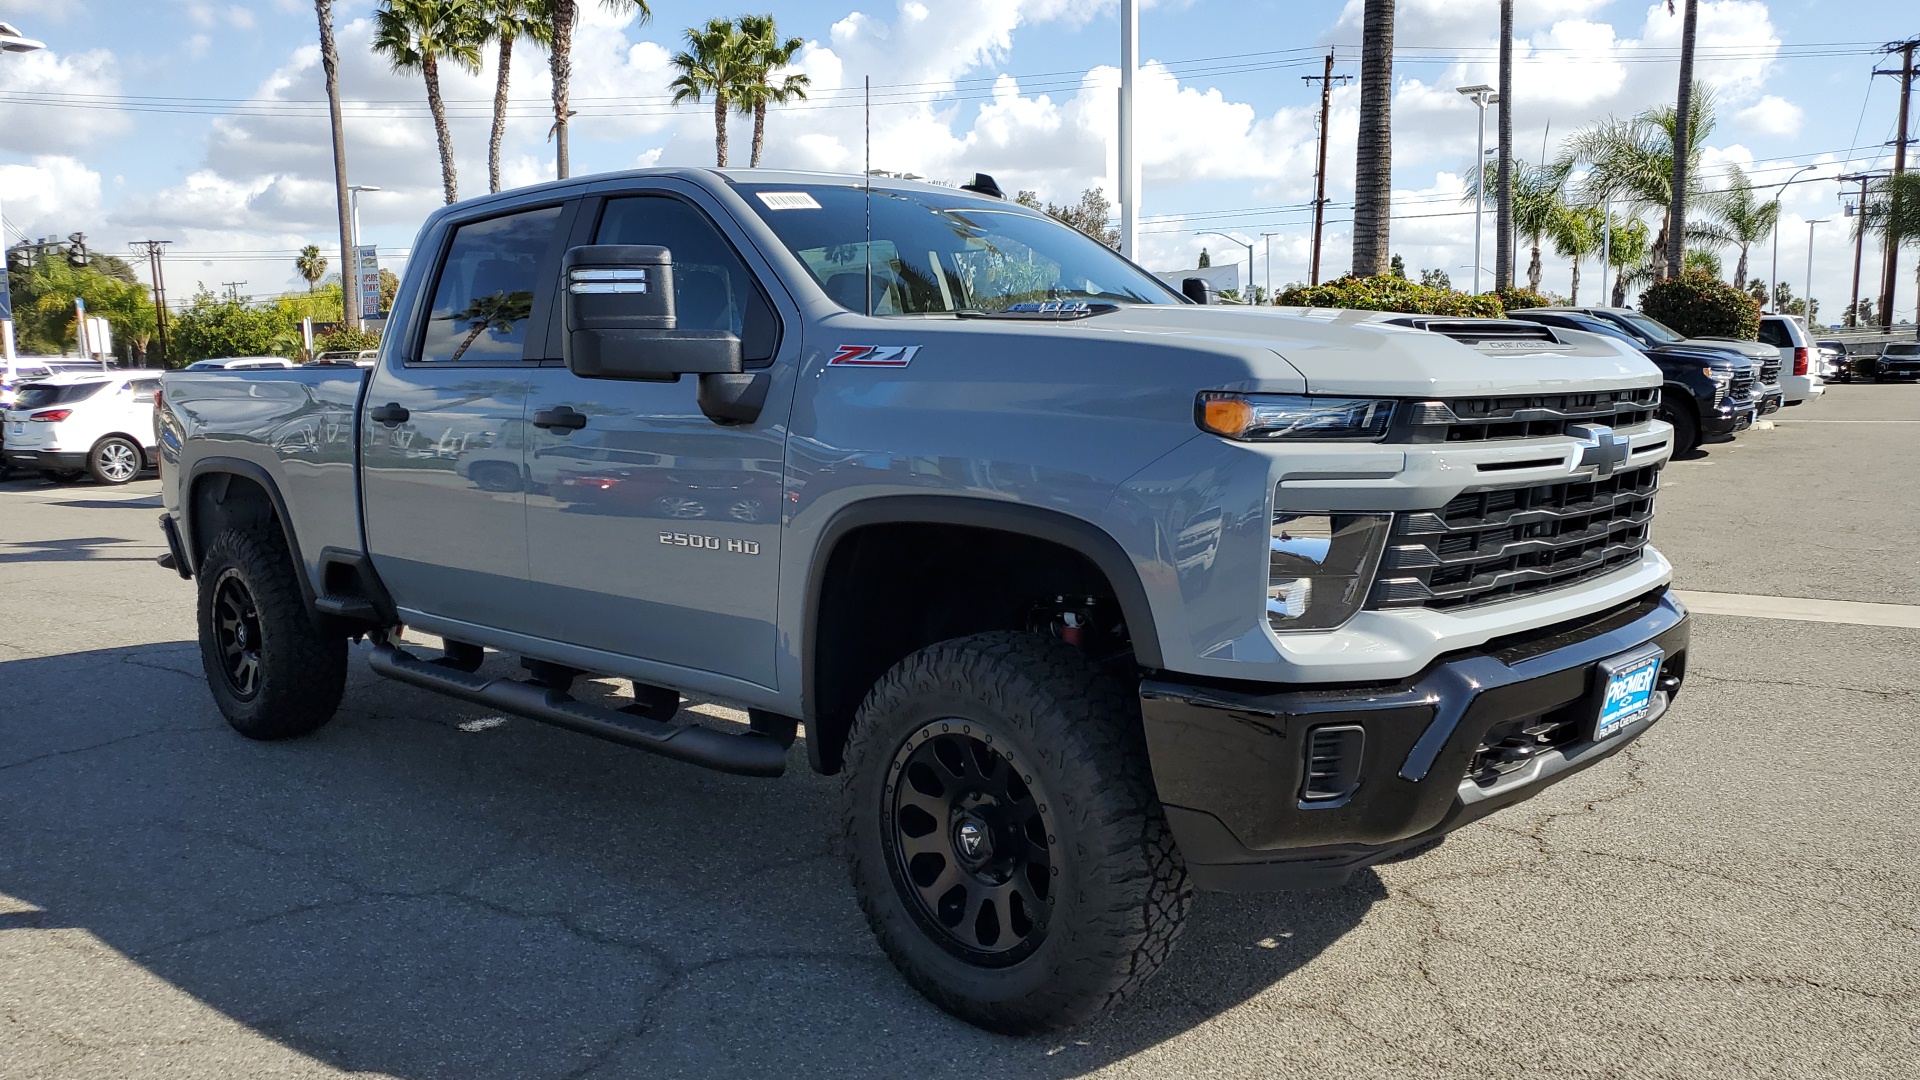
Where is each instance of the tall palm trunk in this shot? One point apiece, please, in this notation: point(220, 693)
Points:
point(560, 65)
point(499, 114)
point(1574, 299)
point(430, 67)
point(1503, 190)
point(1657, 253)
point(1619, 298)
point(1740, 270)
point(720, 130)
point(1373, 162)
point(759, 130)
point(1682, 143)
point(330, 63)
point(1533, 268)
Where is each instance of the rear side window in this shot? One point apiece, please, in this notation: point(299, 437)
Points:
point(712, 288)
point(1774, 333)
point(485, 293)
point(41, 396)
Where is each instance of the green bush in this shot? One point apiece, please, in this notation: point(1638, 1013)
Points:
point(345, 339)
point(1697, 304)
point(1520, 298)
point(1389, 293)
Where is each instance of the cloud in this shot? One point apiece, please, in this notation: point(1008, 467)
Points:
point(1771, 115)
point(54, 194)
point(73, 123)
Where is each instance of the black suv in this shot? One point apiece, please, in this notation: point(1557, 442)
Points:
point(1709, 392)
point(1650, 333)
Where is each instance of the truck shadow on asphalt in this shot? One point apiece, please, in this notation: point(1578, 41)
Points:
point(423, 890)
point(76, 549)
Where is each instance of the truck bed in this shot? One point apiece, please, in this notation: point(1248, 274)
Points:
point(295, 426)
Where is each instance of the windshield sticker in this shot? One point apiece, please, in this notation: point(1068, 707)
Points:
point(788, 200)
point(873, 356)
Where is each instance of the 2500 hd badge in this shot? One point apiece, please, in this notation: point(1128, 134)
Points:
point(710, 543)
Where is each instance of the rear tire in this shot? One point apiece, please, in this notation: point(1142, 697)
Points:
point(115, 460)
point(1686, 430)
point(274, 672)
point(1077, 893)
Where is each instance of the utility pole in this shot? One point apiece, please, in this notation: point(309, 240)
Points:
point(1891, 271)
point(154, 250)
point(1267, 270)
point(1859, 240)
point(1326, 81)
point(1503, 193)
point(233, 290)
point(1806, 301)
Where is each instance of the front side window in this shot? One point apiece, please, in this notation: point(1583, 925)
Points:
point(484, 297)
point(926, 252)
point(712, 287)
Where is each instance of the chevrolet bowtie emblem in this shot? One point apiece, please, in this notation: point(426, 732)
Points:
point(1600, 449)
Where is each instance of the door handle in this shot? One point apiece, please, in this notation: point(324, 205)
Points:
point(562, 417)
point(389, 414)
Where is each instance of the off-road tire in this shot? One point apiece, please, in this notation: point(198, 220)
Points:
point(1121, 891)
point(1686, 430)
point(300, 669)
point(111, 457)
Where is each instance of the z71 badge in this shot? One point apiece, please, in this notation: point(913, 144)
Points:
point(873, 356)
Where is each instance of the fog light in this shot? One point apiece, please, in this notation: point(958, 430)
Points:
point(1320, 567)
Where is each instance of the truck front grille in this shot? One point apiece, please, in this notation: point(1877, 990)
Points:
point(1495, 545)
point(1530, 416)
point(1769, 372)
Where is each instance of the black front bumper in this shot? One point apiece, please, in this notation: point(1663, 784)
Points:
point(1898, 371)
point(1730, 419)
point(1231, 760)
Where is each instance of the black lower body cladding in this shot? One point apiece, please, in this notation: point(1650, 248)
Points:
point(1299, 788)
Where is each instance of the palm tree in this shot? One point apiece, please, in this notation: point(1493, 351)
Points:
point(330, 63)
point(1631, 162)
point(505, 22)
point(711, 68)
point(1373, 153)
point(762, 55)
point(564, 15)
point(500, 312)
point(1537, 196)
point(1892, 210)
point(312, 265)
point(1576, 233)
point(1684, 152)
point(1742, 220)
point(1628, 254)
point(415, 35)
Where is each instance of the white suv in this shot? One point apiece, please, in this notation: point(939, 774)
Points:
point(1798, 376)
point(95, 422)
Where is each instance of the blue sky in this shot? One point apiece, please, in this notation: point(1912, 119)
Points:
point(198, 121)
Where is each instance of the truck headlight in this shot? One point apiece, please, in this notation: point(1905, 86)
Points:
point(1267, 417)
point(1320, 567)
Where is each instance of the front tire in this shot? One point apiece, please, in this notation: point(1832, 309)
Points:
point(274, 673)
point(1686, 430)
point(115, 460)
point(1003, 834)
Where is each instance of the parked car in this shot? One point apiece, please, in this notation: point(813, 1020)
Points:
point(1799, 378)
point(1650, 332)
point(68, 425)
point(344, 358)
point(240, 363)
point(1094, 595)
point(1708, 393)
point(1830, 359)
point(1898, 361)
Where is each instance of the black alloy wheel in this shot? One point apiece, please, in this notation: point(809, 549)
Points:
point(971, 838)
point(236, 633)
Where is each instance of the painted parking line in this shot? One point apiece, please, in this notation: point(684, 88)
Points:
point(1799, 421)
point(1801, 609)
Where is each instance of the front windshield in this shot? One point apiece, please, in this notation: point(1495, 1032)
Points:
point(1655, 330)
point(932, 254)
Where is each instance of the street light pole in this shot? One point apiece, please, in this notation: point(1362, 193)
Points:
point(1267, 237)
point(1806, 298)
point(1482, 95)
point(1129, 168)
point(11, 41)
point(1773, 286)
point(1246, 293)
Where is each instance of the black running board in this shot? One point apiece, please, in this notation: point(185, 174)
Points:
point(746, 754)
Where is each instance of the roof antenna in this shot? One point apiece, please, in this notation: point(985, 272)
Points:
point(869, 138)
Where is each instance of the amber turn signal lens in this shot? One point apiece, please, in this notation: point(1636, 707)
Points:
point(1229, 416)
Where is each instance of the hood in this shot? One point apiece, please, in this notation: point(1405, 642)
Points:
point(1704, 354)
point(1752, 350)
point(1359, 352)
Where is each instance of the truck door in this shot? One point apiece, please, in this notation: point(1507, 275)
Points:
point(446, 527)
point(654, 532)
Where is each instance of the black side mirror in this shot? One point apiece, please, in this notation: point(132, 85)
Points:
point(1197, 290)
point(618, 304)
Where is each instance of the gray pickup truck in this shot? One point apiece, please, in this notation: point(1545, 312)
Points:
point(1093, 595)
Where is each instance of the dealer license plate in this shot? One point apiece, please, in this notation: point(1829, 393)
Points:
point(1628, 694)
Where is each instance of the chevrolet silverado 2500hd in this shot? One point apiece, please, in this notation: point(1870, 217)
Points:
point(1091, 594)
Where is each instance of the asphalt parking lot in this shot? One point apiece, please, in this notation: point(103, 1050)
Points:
point(422, 890)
